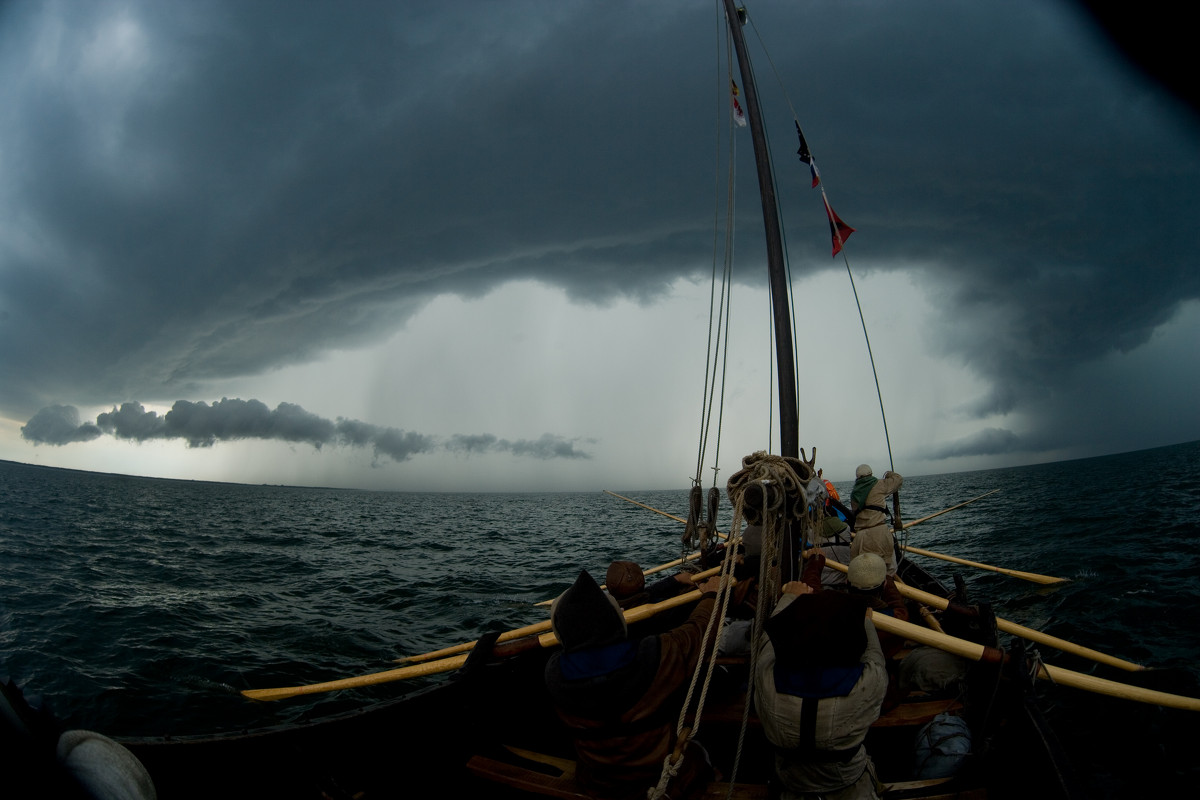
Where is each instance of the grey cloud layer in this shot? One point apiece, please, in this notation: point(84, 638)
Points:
point(203, 425)
point(200, 191)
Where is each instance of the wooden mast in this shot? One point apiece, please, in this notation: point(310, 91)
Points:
point(789, 423)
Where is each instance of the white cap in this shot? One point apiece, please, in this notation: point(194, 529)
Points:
point(867, 571)
point(863, 471)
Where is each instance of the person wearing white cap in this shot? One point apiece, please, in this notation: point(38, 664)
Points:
point(868, 578)
point(872, 533)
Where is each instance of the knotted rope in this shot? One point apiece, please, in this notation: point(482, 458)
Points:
point(774, 511)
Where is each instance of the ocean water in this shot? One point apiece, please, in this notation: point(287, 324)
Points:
point(138, 606)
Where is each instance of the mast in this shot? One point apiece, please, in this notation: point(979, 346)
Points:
point(789, 418)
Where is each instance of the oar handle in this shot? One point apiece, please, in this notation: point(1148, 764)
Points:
point(1065, 677)
point(448, 664)
point(1030, 634)
point(1016, 573)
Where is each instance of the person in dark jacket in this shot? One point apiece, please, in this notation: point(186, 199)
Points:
point(819, 684)
point(620, 697)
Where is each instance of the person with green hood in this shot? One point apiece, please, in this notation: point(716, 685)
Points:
point(872, 528)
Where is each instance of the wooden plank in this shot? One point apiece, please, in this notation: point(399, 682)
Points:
point(914, 790)
point(742, 791)
point(906, 786)
point(565, 766)
point(526, 780)
point(563, 785)
point(915, 713)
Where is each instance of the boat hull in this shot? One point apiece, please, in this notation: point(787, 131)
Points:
point(388, 749)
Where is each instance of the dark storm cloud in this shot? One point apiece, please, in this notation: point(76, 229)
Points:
point(202, 191)
point(58, 425)
point(203, 425)
point(988, 442)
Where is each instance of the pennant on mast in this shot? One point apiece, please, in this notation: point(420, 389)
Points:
point(806, 156)
point(739, 116)
point(840, 230)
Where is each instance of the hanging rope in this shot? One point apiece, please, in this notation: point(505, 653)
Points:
point(720, 301)
point(704, 667)
point(757, 492)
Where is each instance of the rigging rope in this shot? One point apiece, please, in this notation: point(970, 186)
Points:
point(806, 155)
point(720, 310)
point(704, 666)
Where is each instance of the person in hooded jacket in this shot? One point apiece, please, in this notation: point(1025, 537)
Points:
point(819, 684)
point(620, 697)
point(868, 502)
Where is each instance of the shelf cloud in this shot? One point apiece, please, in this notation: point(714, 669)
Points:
point(230, 419)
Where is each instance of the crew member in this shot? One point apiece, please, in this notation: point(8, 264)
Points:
point(626, 582)
point(820, 682)
point(868, 578)
point(620, 697)
point(872, 531)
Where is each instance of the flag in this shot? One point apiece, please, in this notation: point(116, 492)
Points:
point(840, 230)
point(806, 156)
point(738, 115)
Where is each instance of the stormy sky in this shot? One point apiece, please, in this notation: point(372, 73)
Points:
point(467, 245)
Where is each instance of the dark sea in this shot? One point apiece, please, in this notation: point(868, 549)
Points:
point(137, 606)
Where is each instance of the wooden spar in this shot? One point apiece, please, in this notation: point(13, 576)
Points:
point(951, 508)
point(1030, 634)
point(789, 417)
point(959, 647)
point(516, 633)
point(1016, 573)
point(1029, 576)
point(670, 516)
point(446, 664)
point(1065, 677)
point(681, 519)
point(648, 508)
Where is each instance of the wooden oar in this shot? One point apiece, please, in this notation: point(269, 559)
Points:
point(1065, 677)
point(951, 508)
point(446, 664)
point(516, 633)
point(648, 508)
point(1029, 576)
point(1016, 573)
point(906, 525)
point(1030, 634)
point(660, 567)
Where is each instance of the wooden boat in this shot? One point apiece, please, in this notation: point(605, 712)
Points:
point(490, 729)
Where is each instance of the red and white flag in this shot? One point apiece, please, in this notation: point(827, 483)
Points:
point(739, 116)
point(840, 230)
